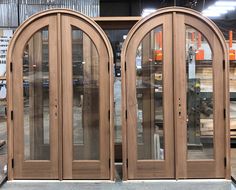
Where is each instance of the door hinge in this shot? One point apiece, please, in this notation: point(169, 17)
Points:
point(109, 115)
point(126, 114)
point(224, 113)
point(223, 64)
point(109, 163)
point(12, 163)
point(108, 67)
point(125, 66)
point(11, 67)
point(127, 163)
point(12, 115)
point(225, 161)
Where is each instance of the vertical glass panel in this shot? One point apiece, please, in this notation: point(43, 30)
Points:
point(150, 138)
point(85, 97)
point(232, 83)
point(36, 97)
point(232, 78)
point(200, 128)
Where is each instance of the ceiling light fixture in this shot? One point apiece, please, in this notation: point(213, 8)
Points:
point(216, 8)
point(219, 8)
point(225, 3)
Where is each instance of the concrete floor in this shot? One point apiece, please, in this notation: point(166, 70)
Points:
point(233, 187)
point(233, 162)
point(131, 185)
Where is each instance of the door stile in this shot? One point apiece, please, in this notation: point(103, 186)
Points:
point(219, 124)
point(179, 96)
point(53, 93)
point(60, 106)
point(67, 98)
point(168, 105)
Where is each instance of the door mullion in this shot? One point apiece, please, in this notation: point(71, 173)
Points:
point(67, 97)
point(60, 105)
point(179, 95)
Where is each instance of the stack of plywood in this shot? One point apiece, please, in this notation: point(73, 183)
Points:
point(233, 119)
point(232, 82)
point(205, 76)
point(206, 127)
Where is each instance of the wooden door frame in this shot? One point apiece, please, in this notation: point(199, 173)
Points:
point(10, 95)
point(99, 169)
point(164, 168)
point(24, 168)
point(198, 168)
point(221, 39)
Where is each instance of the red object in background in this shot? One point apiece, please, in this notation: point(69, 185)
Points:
point(232, 54)
point(200, 52)
point(199, 40)
point(231, 51)
point(160, 38)
point(157, 38)
point(158, 55)
point(193, 36)
point(158, 52)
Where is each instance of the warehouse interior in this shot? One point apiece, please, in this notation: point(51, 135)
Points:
point(117, 18)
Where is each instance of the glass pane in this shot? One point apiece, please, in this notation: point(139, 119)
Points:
point(150, 139)
point(232, 76)
point(85, 97)
point(200, 129)
point(36, 97)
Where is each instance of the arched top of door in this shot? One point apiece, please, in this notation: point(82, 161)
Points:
point(182, 10)
point(58, 11)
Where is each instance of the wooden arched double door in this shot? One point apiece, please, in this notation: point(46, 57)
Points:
point(59, 98)
point(175, 98)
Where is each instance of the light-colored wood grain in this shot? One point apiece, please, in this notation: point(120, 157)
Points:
point(116, 23)
point(118, 19)
point(67, 96)
point(60, 100)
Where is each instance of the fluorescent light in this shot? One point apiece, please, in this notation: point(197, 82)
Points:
point(225, 3)
point(211, 14)
point(147, 12)
point(220, 11)
point(219, 8)
point(216, 8)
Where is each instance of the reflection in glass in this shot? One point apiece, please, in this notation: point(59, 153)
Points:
point(150, 139)
point(85, 70)
point(200, 128)
point(232, 83)
point(36, 97)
